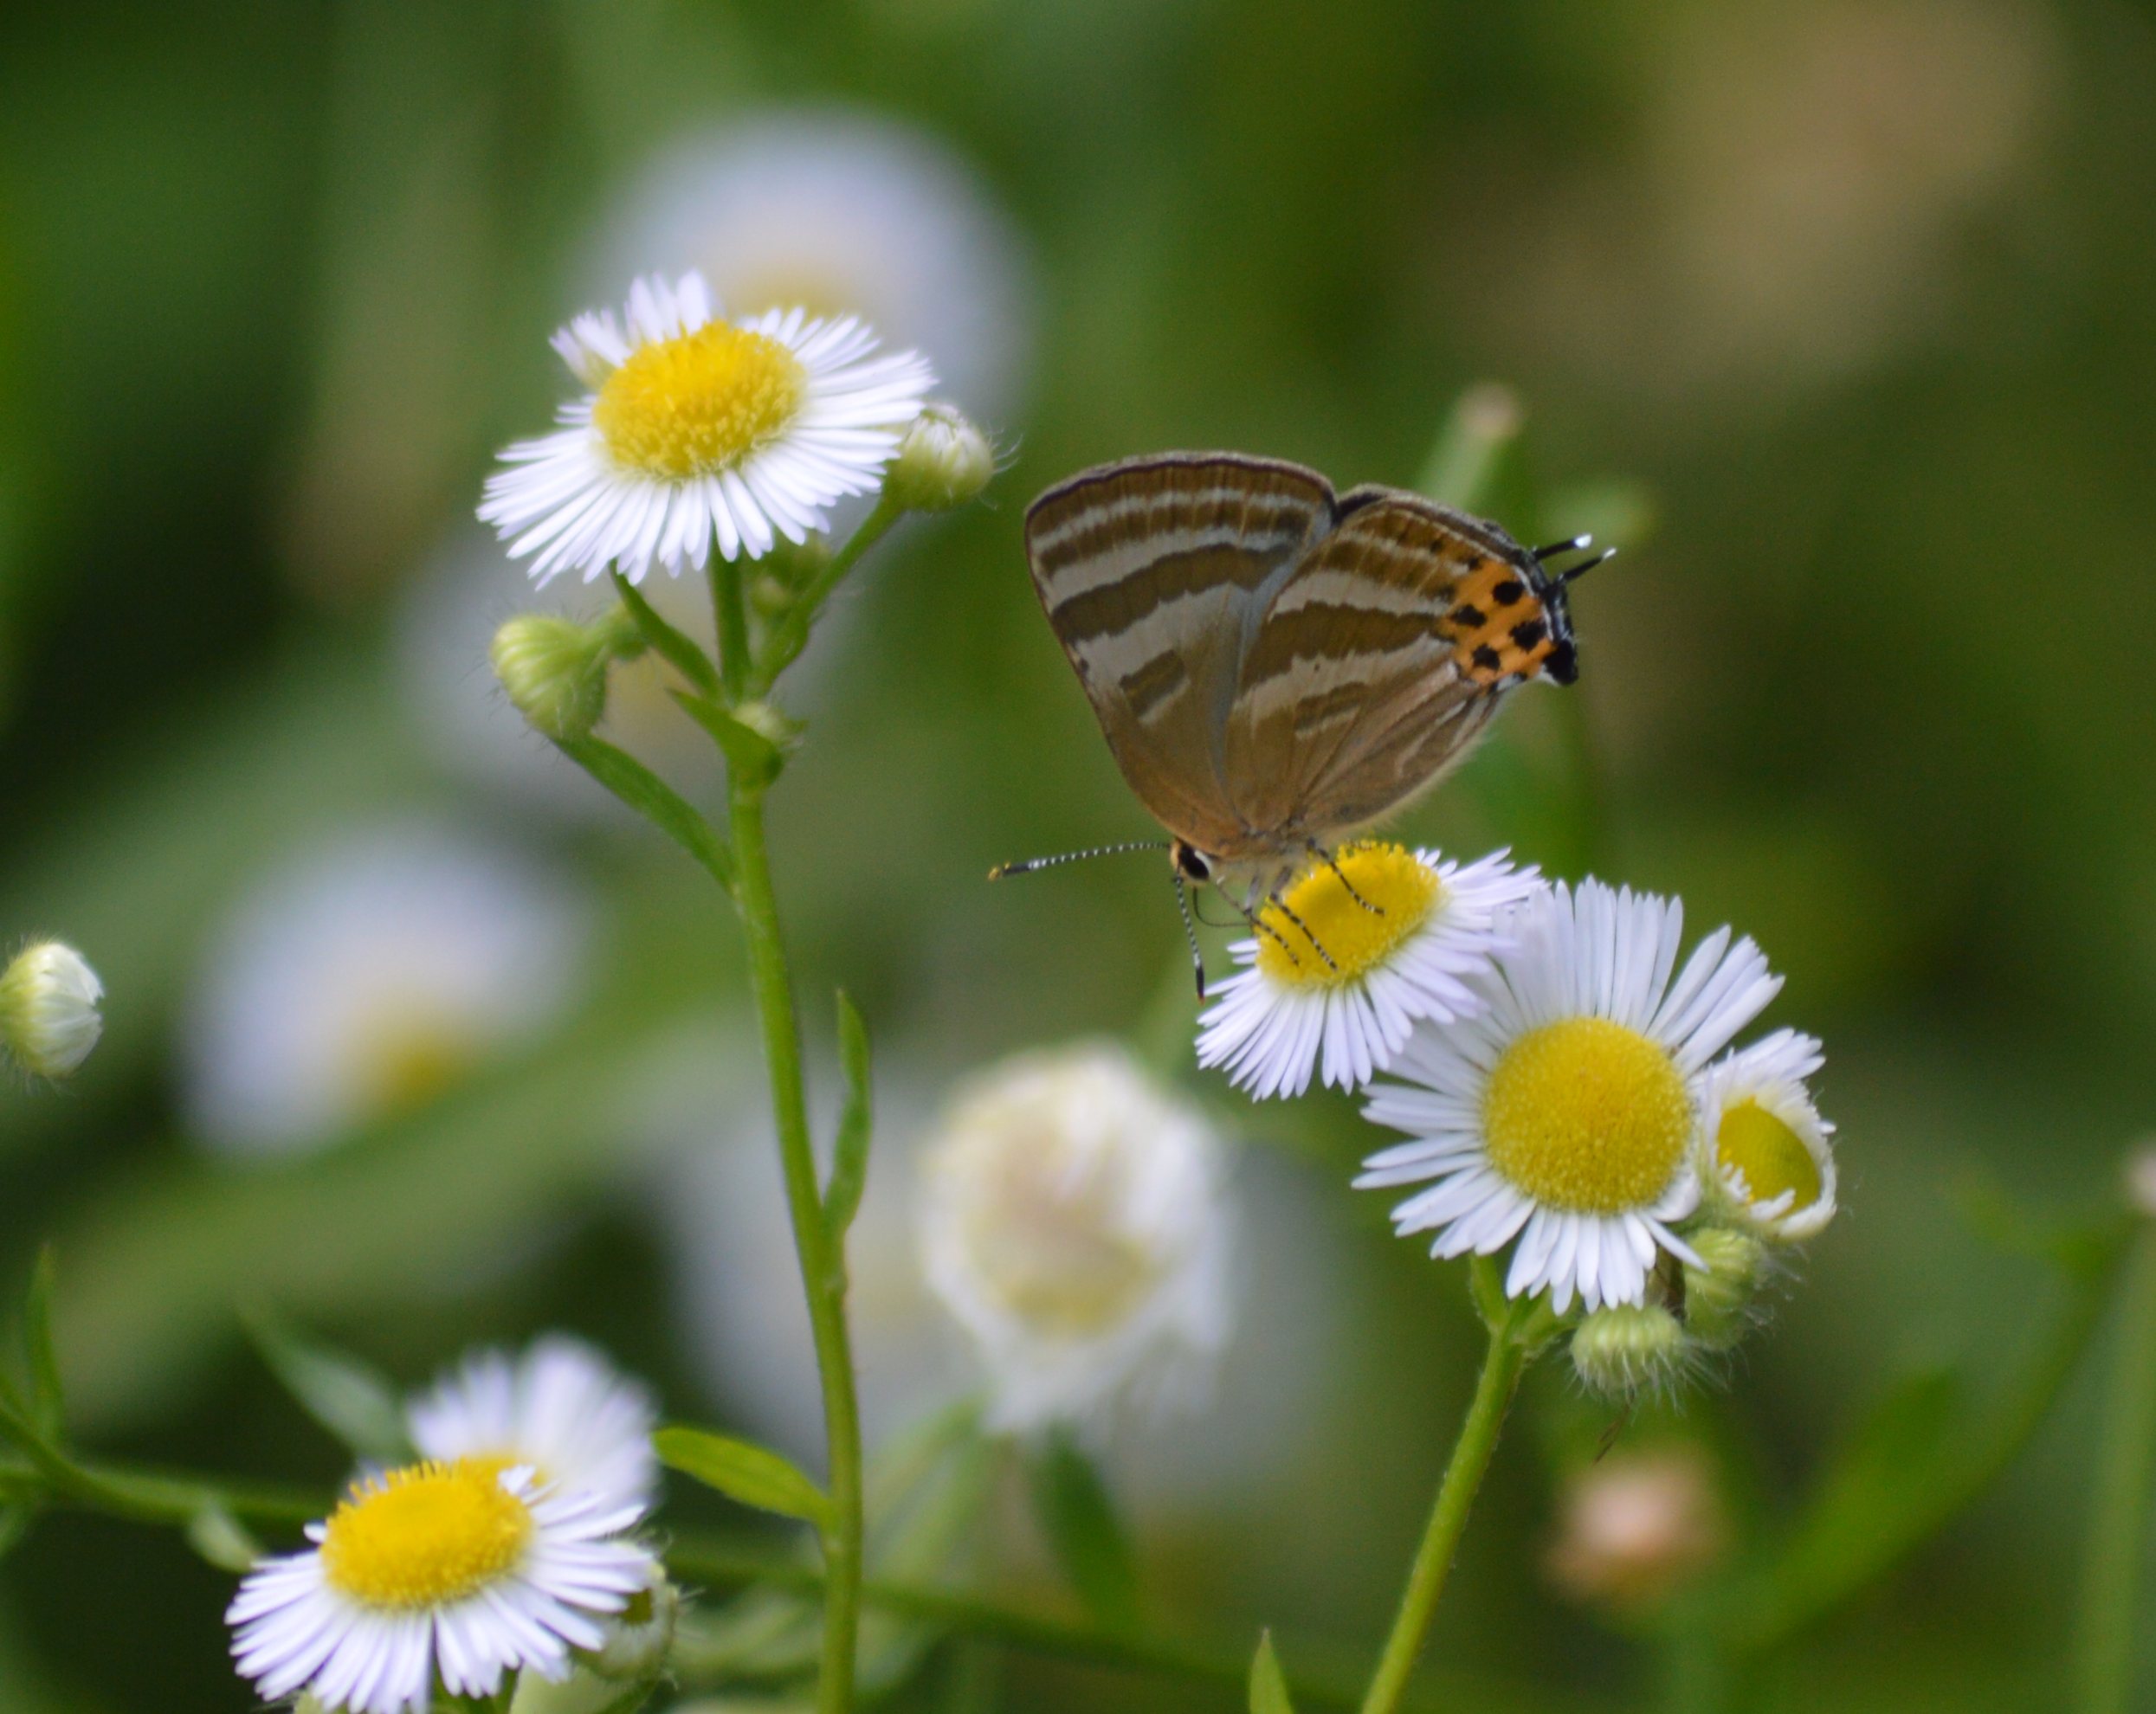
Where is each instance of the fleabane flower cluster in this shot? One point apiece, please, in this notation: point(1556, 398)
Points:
point(699, 431)
point(1566, 1081)
point(507, 1548)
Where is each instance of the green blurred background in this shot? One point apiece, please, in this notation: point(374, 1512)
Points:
point(1839, 316)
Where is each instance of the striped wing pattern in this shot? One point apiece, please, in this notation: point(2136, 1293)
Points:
point(1152, 572)
point(1353, 696)
point(1271, 663)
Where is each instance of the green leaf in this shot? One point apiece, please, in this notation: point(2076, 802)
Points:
point(750, 756)
point(1462, 468)
point(742, 1471)
point(655, 799)
point(1268, 1685)
point(2081, 1247)
point(677, 646)
point(849, 1157)
point(223, 1540)
point(354, 1402)
point(48, 1407)
point(1078, 1520)
point(15, 1518)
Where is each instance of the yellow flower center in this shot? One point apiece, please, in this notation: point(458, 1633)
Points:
point(1586, 1115)
point(1772, 1157)
point(700, 402)
point(1048, 1242)
point(426, 1535)
point(1356, 937)
point(406, 1055)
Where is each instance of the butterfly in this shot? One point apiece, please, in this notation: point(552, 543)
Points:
point(1275, 665)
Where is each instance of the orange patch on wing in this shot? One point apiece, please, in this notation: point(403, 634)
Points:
point(1493, 608)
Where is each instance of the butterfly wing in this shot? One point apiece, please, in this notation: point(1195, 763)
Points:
point(1154, 573)
point(1380, 659)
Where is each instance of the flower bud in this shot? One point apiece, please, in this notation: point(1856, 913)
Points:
point(1633, 1528)
point(1624, 1349)
point(554, 670)
point(943, 460)
point(1719, 1300)
point(48, 1016)
point(638, 1638)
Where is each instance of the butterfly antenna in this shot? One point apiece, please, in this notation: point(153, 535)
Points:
point(1026, 866)
point(1586, 565)
point(1577, 544)
point(1190, 933)
point(1572, 546)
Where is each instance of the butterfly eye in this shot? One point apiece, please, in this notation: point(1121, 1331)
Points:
point(1187, 863)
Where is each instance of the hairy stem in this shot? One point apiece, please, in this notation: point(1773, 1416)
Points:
point(1501, 1367)
point(787, 638)
point(822, 1263)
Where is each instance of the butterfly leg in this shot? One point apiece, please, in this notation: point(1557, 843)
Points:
point(1316, 945)
point(1325, 857)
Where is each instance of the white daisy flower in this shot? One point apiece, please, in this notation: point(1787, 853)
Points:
point(1765, 1152)
point(698, 428)
point(365, 979)
point(1567, 1114)
point(461, 1572)
point(830, 210)
point(563, 1410)
point(1074, 1220)
point(1370, 944)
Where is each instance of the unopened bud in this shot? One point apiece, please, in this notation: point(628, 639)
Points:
point(48, 1015)
point(554, 670)
point(1720, 1300)
point(943, 460)
point(1624, 1349)
point(639, 1637)
point(1634, 1527)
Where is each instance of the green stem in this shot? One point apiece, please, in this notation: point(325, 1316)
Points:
point(2118, 1536)
point(790, 636)
point(716, 1564)
point(823, 1261)
point(1501, 1366)
point(730, 610)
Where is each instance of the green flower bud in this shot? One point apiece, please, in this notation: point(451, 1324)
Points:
point(48, 1015)
point(1624, 1349)
point(554, 670)
point(943, 460)
point(1720, 1300)
point(639, 1637)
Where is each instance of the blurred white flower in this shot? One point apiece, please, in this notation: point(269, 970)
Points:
point(1074, 1220)
point(697, 429)
point(48, 1015)
point(562, 1409)
point(364, 977)
point(1633, 1527)
point(836, 211)
point(737, 1290)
